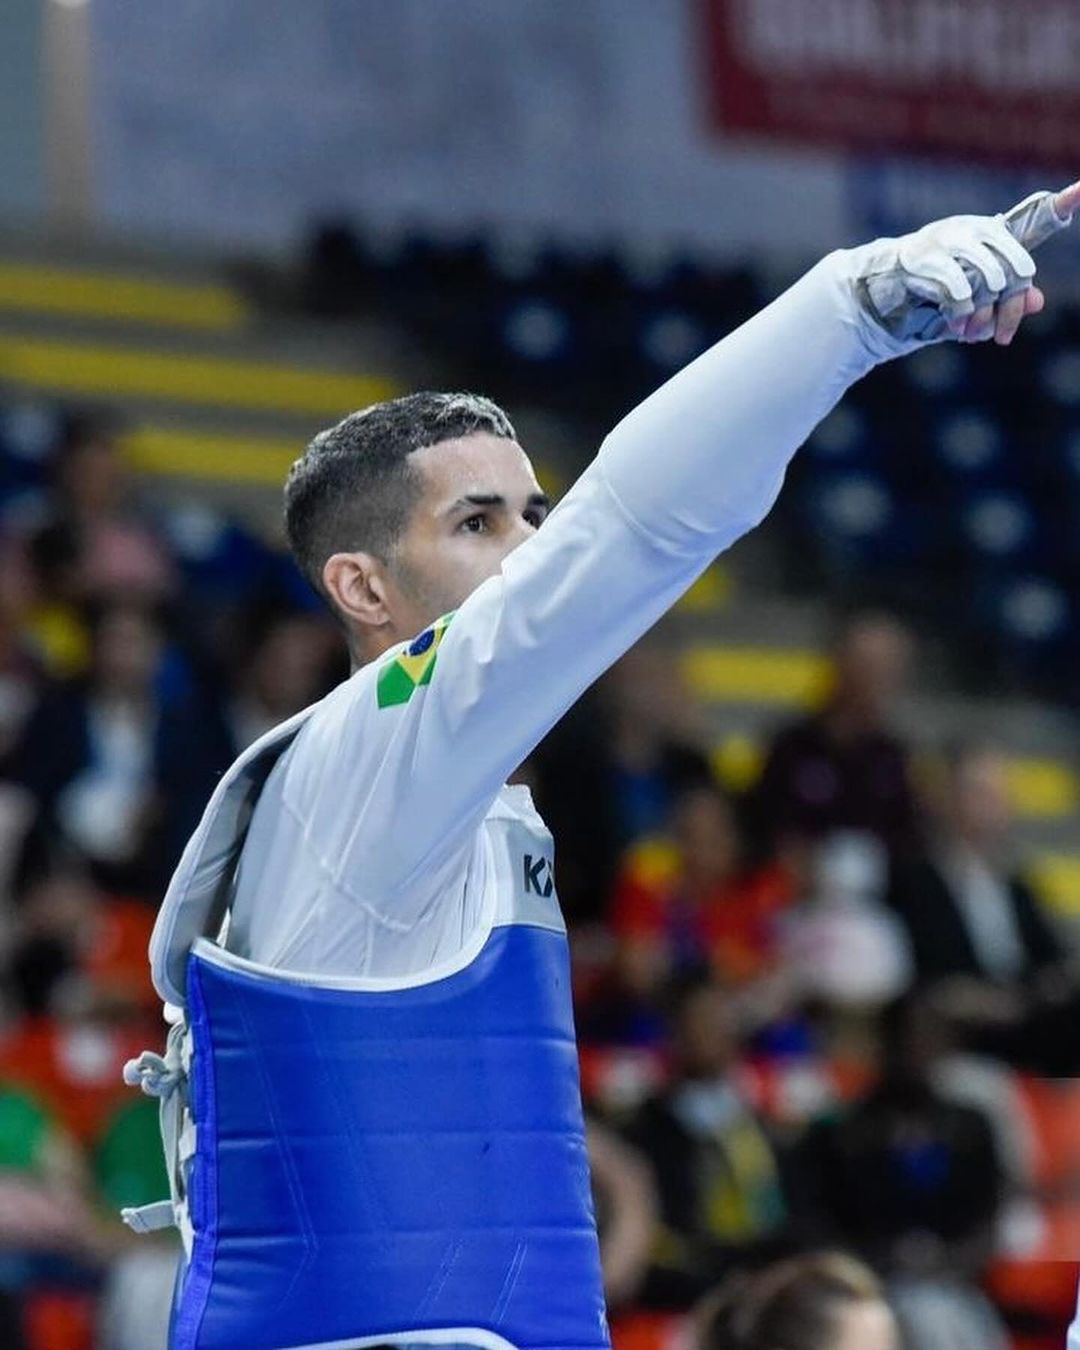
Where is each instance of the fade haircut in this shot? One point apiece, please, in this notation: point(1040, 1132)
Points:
point(353, 488)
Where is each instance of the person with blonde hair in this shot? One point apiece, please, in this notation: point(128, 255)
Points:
point(820, 1301)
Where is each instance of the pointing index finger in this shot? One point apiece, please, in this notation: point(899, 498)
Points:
point(1067, 201)
point(1038, 217)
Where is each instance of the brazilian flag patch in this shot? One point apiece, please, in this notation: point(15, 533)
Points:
point(407, 671)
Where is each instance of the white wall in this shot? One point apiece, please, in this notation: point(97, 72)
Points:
point(22, 176)
point(240, 121)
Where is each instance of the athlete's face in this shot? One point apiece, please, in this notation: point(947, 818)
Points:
point(479, 499)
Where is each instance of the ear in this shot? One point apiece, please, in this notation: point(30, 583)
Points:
point(356, 584)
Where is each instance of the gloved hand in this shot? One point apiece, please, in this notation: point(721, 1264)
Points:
point(968, 277)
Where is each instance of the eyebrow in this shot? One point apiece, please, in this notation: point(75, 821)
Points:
point(497, 501)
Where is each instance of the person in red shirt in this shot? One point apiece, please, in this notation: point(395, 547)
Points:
point(691, 899)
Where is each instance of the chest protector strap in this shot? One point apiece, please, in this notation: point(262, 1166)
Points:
point(195, 905)
point(197, 900)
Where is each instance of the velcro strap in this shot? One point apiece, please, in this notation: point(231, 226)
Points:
point(150, 1218)
point(185, 1147)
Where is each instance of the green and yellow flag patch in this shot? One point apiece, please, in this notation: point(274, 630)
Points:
point(403, 674)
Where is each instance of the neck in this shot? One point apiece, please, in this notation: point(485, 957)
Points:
point(363, 649)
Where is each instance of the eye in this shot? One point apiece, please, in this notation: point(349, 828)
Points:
point(534, 517)
point(477, 524)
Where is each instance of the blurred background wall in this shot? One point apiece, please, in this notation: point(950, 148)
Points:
point(642, 122)
point(22, 149)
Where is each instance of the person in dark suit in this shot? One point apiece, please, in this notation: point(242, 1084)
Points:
point(966, 909)
point(912, 1179)
point(977, 930)
point(719, 1183)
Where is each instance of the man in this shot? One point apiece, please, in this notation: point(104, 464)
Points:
point(977, 932)
point(718, 1175)
point(843, 767)
point(967, 913)
point(371, 1105)
point(910, 1177)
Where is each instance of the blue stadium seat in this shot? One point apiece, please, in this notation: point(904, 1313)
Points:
point(938, 372)
point(841, 441)
point(1060, 376)
point(859, 524)
point(30, 431)
point(1035, 626)
point(538, 332)
point(969, 445)
point(1000, 527)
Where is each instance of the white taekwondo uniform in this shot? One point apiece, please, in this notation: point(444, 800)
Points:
point(368, 852)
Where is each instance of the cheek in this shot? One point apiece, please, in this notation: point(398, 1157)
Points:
point(451, 572)
point(474, 560)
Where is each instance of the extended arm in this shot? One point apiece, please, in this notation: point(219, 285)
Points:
point(681, 478)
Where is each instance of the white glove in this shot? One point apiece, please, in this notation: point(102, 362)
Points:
point(921, 287)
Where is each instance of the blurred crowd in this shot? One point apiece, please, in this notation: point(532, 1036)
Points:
point(826, 1026)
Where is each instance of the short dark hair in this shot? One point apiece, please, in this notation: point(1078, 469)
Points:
point(353, 488)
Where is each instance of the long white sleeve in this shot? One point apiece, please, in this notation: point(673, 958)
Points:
point(701, 461)
point(389, 797)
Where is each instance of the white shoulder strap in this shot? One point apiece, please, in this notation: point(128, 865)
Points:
point(198, 895)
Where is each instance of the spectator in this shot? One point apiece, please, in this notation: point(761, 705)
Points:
point(68, 931)
point(717, 1175)
point(53, 621)
point(76, 1012)
point(906, 1167)
point(50, 1233)
point(282, 665)
point(697, 901)
point(610, 770)
point(978, 932)
point(841, 945)
point(913, 1180)
point(655, 737)
point(967, 911)
point(825, 1301)
point(286, 666)
point(684, 901)
point(86, 754)
point(844, 768)
point(129, 1168)
point(625, 1211)
point(119, 552)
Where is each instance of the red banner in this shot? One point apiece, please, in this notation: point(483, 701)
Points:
point(995, 80)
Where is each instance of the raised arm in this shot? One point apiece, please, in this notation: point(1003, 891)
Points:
point(682, 477)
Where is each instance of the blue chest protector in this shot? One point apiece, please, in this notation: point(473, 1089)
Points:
point(371, 1163)
point(385, 1162)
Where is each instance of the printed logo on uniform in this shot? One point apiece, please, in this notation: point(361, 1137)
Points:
point(403, 674)
point(539, 875)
